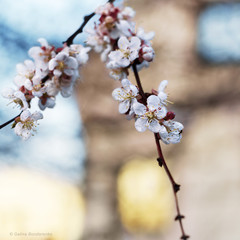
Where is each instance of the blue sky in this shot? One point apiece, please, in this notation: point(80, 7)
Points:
point(57, 148)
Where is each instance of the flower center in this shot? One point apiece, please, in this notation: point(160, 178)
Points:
point(28, 124)
point(150, 115)
point(61, 66)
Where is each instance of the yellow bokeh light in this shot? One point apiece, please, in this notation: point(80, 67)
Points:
point(36, 207)
point(144, 196)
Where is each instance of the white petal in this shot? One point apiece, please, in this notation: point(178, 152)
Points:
point(154, 126)
point(36, 80)
point(66, 92)
point(124, 106)
point(139, 108)
point(19, 80)
point(112, 65)
point(52, 64)
point(34, 52)
point(18, 128)
point(115, 55)
point(134, 90)
point(141, 124)
point(28, 85)
point(71, 62)
point(162, 85)
point(126, 84)
point(163, 97)
point(118, 94)
point(43, 42)
point(124, 62)
point(161, 112)
point(26, 134)
point(125, 28)
point(68, 71)
point(30, 65)
point(8, 92)
point(19, 94)
point(37, 115)
point(123, 43)
point(153, 102)
point(133, 55)
point(135, 43)
point(50, 102)
point(25, 115)
point(62, 56)
point(57, 72)
point(163, 132)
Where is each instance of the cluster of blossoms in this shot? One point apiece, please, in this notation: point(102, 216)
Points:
point(121, 47)
point(115, 37)
point(51, 71)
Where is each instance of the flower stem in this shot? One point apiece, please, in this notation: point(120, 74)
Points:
point(10, 121)
point(161, 160)
point(175, 186)
point(134, 67)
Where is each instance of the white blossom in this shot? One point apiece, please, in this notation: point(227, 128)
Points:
point(51, 88)
point(96, 39)
point(161, 94)
point(27, 123)
point(122, 28)
point(125, 95)
point(147, 53)
point(35, 86)
point(127, 13)
point(118, 74)
point(25, 71)
point(16, 97)
point(148, 117)
point(79, 52)
point(127, 52)
point(48, 102)
point(146, 37)
point(172, 132)
point(63, 63)
point(42, 55)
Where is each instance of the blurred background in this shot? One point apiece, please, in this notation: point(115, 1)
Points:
point(88, 174)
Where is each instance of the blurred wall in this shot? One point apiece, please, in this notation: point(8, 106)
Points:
point(206, 162)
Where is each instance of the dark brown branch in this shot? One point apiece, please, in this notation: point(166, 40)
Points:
point(175, 186)
point(69, 41)
point(134, 67)
point(86, 19)
point(161, 160)
point(10, 121)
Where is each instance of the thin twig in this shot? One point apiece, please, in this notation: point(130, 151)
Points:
point(69, 41)
point(134, 67)
point(161, 160)
point(175, 186)
point(86, 19)
point(10, 121)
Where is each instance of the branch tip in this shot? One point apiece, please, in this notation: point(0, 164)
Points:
point(185, 237)
point(160, 162)
point(179, 217)
point(176, 187)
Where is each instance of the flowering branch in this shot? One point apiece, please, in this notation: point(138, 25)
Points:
point(10, 121)
point(161, 160)
point(122, 47)
point(175, 186)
